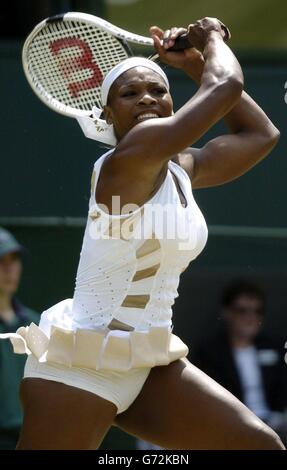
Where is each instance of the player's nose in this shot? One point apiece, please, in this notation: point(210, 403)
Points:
point(146, 98)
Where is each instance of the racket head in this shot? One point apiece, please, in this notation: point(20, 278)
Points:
point(66, 57)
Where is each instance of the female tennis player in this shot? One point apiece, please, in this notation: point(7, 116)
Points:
point(108, 356)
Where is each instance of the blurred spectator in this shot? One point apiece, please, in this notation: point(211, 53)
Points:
point(247, 364)
point(12, 315)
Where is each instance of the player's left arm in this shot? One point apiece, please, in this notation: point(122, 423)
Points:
point(252, 137)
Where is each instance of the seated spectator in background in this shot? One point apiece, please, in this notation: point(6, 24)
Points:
point(12, 315)
point(250, 366)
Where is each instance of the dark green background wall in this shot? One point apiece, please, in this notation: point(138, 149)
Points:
point(45, 172)
point(48, 161)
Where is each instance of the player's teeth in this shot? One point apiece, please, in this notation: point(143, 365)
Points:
point(146, 116)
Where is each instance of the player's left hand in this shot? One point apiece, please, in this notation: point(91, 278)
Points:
point(190, 60)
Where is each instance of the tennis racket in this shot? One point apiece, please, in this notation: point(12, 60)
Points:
point(66, 57)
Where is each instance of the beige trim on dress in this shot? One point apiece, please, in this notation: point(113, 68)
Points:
point(100, 349)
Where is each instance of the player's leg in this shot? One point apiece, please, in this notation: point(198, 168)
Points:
point(58, 416)
point(180, 407)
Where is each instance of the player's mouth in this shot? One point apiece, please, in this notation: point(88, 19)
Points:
point(144, 116)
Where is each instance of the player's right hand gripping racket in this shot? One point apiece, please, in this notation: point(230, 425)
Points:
point(66, 57)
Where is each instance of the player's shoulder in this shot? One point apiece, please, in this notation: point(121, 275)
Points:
point(103, 156)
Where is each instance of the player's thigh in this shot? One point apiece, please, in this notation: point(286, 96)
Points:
point(57, 416)
point(180, 407)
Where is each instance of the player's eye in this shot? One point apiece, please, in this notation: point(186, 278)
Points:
point(128, 93)
point(160, 90)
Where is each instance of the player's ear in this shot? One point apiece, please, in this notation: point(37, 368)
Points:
point(108, 114)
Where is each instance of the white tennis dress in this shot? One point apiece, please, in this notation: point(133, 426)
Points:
point(120, 317)
point(121, 312)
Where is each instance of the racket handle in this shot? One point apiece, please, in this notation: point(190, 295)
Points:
point(182, 42)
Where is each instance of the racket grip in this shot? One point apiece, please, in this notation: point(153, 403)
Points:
point(181, 42)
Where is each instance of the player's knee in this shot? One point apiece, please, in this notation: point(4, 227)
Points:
point(268, 439)
point(273, 441)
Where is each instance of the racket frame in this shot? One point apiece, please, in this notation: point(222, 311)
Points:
point(121, 34)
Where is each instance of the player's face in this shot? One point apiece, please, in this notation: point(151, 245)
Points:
point(10, 272)
point(137, 95)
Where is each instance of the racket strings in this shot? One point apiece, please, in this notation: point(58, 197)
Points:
point(68, 60)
